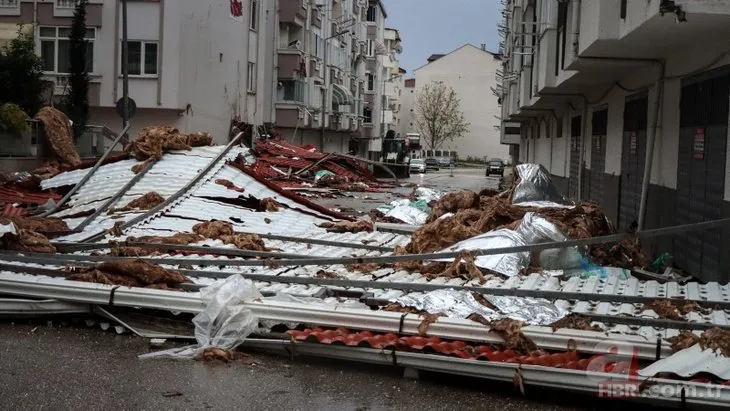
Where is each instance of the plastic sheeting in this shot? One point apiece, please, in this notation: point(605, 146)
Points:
point(536, 188)
point(225, 323)
point(408, 214)
point(536, 230)
point(428, 194)
point(461, 304)
point(505, 264)
point(8, 228)
point(411, 212)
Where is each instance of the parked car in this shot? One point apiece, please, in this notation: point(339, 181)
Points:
point(495, 166)
point(432, 164)
point(445, 162)
point(418, 165)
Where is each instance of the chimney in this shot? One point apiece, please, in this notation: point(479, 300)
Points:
point(484, 47)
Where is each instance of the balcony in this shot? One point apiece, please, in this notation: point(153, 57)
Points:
point(316, 18)
point(293, 12)
point(290, 63)
point(290, 91)
point(9, 7)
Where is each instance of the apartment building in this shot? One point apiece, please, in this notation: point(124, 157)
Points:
point(471, 72)
point(393, 82)
point(326, 84)
point(407, 101)
point(626, 103)
point(192, 64)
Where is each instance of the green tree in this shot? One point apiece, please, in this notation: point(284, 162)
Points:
point(21, 73)
point(77, 101)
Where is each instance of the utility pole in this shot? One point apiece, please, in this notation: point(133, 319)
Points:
point(125, 66)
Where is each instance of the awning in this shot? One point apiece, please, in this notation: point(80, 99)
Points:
point(341, 96)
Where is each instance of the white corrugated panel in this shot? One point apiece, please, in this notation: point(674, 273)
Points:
point(690, 362)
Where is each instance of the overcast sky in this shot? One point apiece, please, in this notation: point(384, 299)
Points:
point(441, 26)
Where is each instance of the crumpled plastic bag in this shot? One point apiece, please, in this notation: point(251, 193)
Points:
point(428, 194)
point(224, 323)
point(536, 230)
point(535, 187)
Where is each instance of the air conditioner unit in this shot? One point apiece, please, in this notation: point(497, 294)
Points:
point(318, 65)
point(296, 44)
point(301, 114)
point(362, 3)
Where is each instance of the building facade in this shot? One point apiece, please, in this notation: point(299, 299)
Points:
point(618, 102)
point(392, 89)
point(312, 69)
point(194, 65)
point(471, 72)
point(406, 101)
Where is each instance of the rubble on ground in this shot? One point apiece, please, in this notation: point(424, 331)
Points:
point(58, 132)
point(136, 273)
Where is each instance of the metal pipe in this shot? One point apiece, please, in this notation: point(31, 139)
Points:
point(115, 89)
point(88, 175)
point(324, 94)
point(659, 92)
point(389, 259)
point(116, 196)
point(175, 196)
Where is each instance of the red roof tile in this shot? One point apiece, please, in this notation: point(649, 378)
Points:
point(17, 195)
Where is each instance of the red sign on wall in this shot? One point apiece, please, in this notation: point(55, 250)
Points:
point(698, 148)
point(237, 9)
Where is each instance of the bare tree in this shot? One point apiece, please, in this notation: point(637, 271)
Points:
point(438, 115)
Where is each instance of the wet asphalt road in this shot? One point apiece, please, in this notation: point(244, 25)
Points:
point(442, 180)
point(65, 368)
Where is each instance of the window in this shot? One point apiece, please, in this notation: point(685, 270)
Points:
point(623, 9)
point(9, 3)
point(142, 58)
point(371, 81)
point(251, 87)
point(372, 13)
point(562, 36)
point(559, 131)
point(367, 114)
point(370, 48)
point(56, 49)
point(253, 10)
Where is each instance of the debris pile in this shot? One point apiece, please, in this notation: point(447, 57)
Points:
point(26, 240)
point(303, 168)
point(136, 273)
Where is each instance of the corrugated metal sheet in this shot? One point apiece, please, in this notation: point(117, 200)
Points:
point(690, 362)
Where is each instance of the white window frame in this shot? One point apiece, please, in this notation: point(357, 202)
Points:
point(40, 39)
point(251, 77)
point(142, 49)
point(370, 48)
point(66, 4)
point(10, 4)
point(253, 18)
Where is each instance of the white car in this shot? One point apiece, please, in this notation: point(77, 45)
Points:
point(418, 165)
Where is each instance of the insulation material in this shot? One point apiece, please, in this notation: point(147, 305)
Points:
point(136, 273)
point(40, 224)
point(28, 241)
point(536, 230)
point(177, 238)
point(145, 202)
point(58, 132)
point(213, 229)
point(348, 226)
point(270, 205)
point(505, 264)
point(47, 170)
point(514, 339)
point(154, 141)
point(223, 231)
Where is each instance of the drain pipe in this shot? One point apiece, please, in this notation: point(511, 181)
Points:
point(659, 86)
point(576, 26)
point(581, 155)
